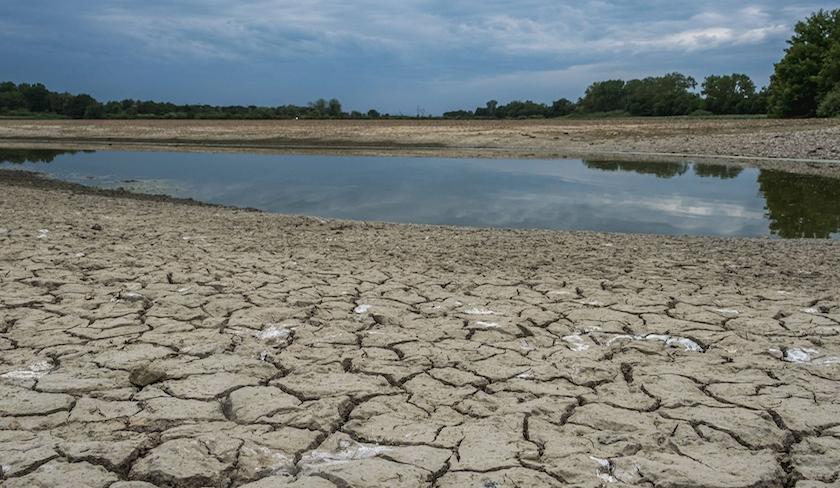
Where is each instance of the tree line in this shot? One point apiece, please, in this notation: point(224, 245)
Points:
point(806, 83)
point(26, 99)
point(671, 94)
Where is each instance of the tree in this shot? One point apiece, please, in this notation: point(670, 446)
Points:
point(604, 96)
point(78, 105)
point(810, 69)
point(830, 104)
point(730, 94)
point(519, 109)
point(94, 111)
point(662, 96)
point(373, 114)
point(489, 110)
point(11, 100)
point(334, 108)
point(562, 107)
point(319, 107)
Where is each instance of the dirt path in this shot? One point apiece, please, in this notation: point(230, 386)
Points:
point(186, 346)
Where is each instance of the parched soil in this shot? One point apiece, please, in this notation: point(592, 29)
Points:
point(665, 137)
point(149, 343)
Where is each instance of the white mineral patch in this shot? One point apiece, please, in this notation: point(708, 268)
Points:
point(263, 355)
point(604, 470)
point(273, 332)
point(560, 292)
point(79, 255)
point(726, 311)
point(604, 463)
point(43, 233)
point(685, 343)
point(527, 375)
point(361, 309)
point(799, 355)
point(526, 346)
point(281, 462)
point(812, 311)
point(622, 336)
point(671, 341)
point(479, 311)
point(827, 360)
point(487, 325)
point(184, 290)
point(33, 371)
point(347, 451)
point(591, 303)
point(576, 343)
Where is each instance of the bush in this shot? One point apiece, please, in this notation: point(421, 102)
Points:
point(830, 104)
point(701, 113)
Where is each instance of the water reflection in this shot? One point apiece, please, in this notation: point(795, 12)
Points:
point(21, 156)
point(661, 170)
point(801, 205)
point(645, 197)
point(722, 171)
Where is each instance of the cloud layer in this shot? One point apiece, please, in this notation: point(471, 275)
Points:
point(394, 55)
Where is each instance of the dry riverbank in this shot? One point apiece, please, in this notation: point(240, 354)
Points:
point(766, 143)
point(190, 345)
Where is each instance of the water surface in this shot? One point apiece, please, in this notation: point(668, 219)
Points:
point(663, 198)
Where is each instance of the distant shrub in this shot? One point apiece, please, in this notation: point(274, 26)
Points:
point(830, 104)
point(701, 113)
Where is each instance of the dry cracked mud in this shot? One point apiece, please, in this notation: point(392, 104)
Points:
point(152, 344)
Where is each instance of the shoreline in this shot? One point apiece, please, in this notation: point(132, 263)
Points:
point(802, 146)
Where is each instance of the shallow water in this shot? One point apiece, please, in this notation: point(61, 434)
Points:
point(663, 198)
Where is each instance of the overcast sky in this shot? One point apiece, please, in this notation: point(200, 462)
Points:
point(394, 55)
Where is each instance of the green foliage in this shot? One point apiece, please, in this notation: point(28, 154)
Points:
point(662, 95)
point(28, 100)
point(458, 114)
point(830, 104)
point(604, 96)
point(562, 107)
point(334, 108)
point(731, 94)
point(810, 69)
point(671, 94)
point(701, 113)
point(517, 109)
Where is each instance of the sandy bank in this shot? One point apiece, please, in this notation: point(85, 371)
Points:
point(771, 144)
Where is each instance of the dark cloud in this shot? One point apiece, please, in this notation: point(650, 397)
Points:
point(392, 55)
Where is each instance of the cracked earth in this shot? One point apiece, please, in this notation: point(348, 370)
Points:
point(149, 344)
